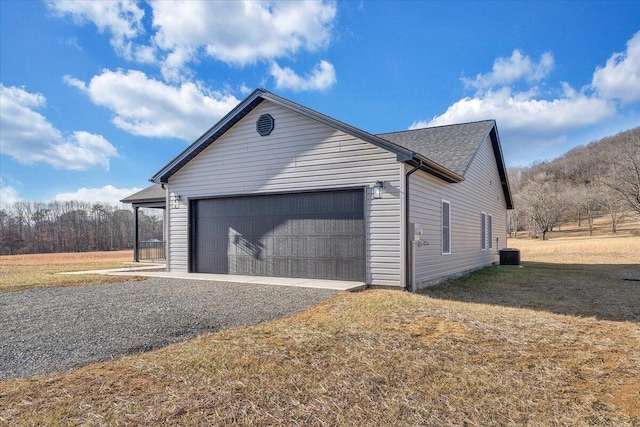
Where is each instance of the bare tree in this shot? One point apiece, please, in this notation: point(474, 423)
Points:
point(588, 199)
point(623, 175)
point(10, 239)
point(515, 216)
point(544, 202)
point(614, 205)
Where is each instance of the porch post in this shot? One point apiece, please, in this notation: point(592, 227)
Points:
point(136, 256)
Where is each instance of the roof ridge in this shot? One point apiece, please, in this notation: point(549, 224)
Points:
point(436, 127)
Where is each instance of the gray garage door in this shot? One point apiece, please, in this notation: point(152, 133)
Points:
point(309, 235)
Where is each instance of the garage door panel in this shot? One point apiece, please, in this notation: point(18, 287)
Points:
point(281, 267)
point(311, 235)
point(348, 269)
point(349, 247)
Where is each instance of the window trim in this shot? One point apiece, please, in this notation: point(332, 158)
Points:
point(442, 228)
point(490, 231)
point(483, 231)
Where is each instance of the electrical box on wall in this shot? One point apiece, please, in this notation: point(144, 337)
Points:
point(416, 231)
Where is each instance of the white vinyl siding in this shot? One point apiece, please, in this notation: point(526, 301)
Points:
point(300, 154)
point(480, 191)
point(446, 227)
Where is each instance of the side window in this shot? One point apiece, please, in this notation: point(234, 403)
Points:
point(446, 227)
point(490, 231)
point(483, 231)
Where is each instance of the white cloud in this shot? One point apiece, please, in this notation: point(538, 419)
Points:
point(84, 148)
point(523, 113)
point(620, 77)
point(123, 19)
point(148, 107)
point(245, 90)
point(108, 195)
point(8, 195)
point(173, 65)
point(530, 128)
point(235, 32)
point(29, 137)
point(71, 42)
point(240, 32)
point(536, 124)
point(322, 77)
point(510, 70)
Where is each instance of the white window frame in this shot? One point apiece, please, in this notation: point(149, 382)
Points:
point(490, 231)
point(483, 231)
point(445, 230)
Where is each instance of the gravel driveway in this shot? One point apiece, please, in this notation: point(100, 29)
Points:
point(56, 329)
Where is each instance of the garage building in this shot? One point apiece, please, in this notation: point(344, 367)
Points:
point(277, 189)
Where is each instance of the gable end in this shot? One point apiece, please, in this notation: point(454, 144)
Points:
point(200, 144)
point(403, 154)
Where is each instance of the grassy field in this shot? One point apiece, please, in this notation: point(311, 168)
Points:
point(18, 272)
point(581, 250)
point(554, 343)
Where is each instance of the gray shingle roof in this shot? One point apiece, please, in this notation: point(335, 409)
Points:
point(451, 146)
point(153, 193)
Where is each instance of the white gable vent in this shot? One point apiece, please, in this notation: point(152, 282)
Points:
point(264, 125)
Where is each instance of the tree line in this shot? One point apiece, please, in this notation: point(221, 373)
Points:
point(601, 178)
point(73, 226)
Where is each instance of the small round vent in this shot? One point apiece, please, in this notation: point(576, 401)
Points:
point(264, 125)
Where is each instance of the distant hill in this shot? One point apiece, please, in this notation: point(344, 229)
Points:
point(600, 178)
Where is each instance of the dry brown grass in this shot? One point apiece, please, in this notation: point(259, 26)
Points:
point(580, 250)
point(18, 272)
point(495, 348)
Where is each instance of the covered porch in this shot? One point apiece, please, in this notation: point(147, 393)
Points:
point(152, 197)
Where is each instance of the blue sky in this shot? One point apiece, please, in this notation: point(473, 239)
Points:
point(98, 96)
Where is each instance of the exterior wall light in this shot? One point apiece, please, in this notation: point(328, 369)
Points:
point(176, 199)
point(377, 189)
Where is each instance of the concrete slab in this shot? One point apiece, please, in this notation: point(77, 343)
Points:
point(261, 280)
